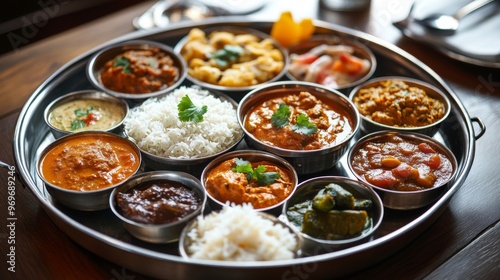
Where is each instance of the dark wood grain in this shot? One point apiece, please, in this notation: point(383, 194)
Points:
point(478, 260)
point(461, 244)
point(23, 70)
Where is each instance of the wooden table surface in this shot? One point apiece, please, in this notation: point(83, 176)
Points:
point(462, 244)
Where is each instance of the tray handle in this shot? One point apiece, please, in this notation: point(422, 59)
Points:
point(482, 126)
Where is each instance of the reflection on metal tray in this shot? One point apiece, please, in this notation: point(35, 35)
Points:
point(102, 233)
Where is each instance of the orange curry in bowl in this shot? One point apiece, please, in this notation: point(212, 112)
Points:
point(89, 162)
point(260, 183)
point(299, 122)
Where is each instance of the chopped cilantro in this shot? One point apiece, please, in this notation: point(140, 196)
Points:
point(227, 55)
point(259, 174)
point(243, 166)
point(304, 126)
point(79, 113)
point(264, 178)
point(77, 124)
point(124, 63)
point(280, 117)
point(152, 63)
point(189, 112)
point(83, 112)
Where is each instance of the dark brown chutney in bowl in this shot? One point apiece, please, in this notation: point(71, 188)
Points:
point(155, 206)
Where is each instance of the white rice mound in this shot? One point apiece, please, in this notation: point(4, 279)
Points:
point(155, 126)
point(239, 233)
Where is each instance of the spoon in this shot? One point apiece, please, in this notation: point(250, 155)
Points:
point(447, 24)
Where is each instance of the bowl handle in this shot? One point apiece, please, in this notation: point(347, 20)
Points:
point(481, 126)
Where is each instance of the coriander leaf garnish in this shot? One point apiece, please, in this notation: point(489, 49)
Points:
point(227, 55)
point(77, 124)
point(86, 117)
point(304, 126)
point(82, 112)
point(124, 63)
point(189, 112)
point(264, 178)
point(259, 174)
point(242, 166)
point(152, 63)
point(280, 117)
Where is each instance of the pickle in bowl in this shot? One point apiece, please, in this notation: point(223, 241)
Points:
point(333, 213)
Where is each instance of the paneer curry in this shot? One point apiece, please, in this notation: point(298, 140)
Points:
point(227, 182)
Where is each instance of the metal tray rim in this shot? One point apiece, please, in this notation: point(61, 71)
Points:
point(431, 213)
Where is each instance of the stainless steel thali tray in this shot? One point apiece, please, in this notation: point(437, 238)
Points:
point(103, 234)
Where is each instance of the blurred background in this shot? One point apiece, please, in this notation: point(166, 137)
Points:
point(23, 22)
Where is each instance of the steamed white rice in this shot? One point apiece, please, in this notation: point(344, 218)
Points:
point(239, 233)
point(155, 126)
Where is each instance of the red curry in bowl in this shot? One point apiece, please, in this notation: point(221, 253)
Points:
point(401, 162)
point(140, 71)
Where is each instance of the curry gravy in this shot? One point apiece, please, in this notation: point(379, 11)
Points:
point(224, 184)
point(333, 123)
point(86, 114)
point(89, 163)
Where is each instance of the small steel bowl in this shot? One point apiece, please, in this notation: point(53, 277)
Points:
point(190, 165)
point(309, 188)
point(234, 92)
point(250, 156)
point(186, 240)
point(158, 233)
point(359, 50)
point(92, 200)
point(85, 95)
point(404, 200)
point(98, 60)
point(304, 161)
point(368, 125)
